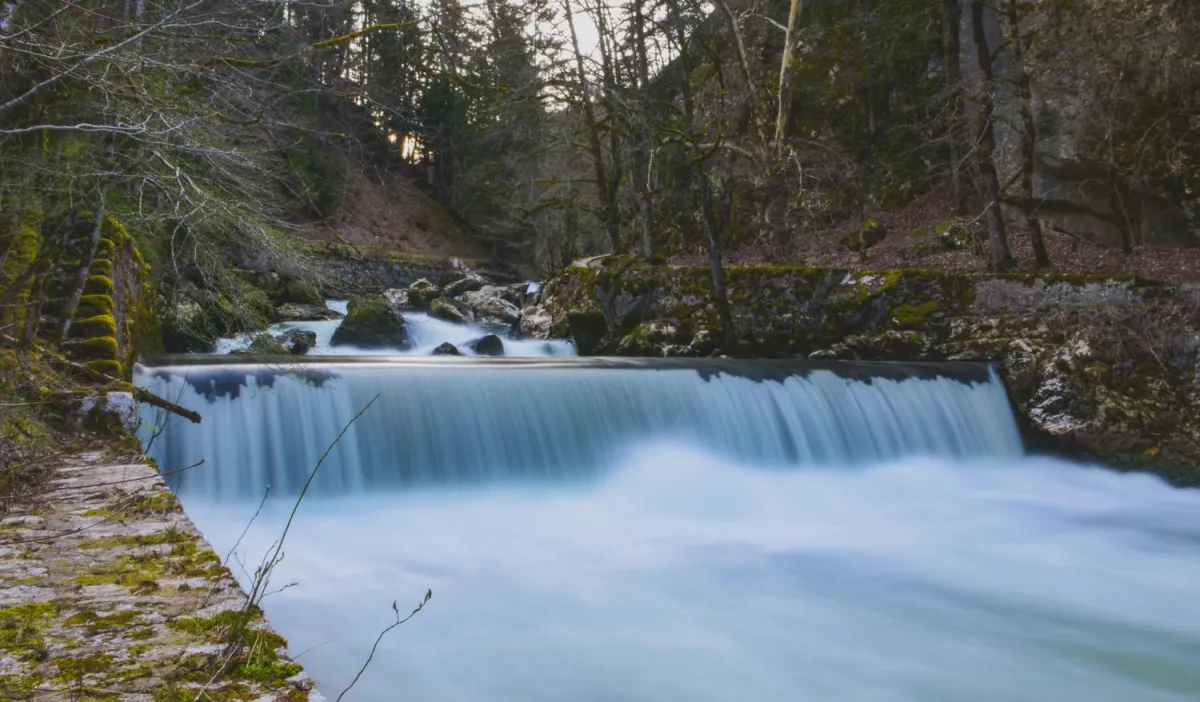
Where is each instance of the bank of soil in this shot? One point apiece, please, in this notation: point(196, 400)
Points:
point(108, 592)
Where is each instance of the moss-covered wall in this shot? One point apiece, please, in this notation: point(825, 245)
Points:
point(789, 311)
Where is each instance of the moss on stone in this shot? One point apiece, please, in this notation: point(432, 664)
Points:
point(98, 285)
point(94, 306)
point(97, 326)
point(98, 348)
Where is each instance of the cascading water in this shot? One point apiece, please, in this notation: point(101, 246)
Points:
point(700, 530)
point(425, 333)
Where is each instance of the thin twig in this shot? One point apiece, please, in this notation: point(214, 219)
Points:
point(398, 622)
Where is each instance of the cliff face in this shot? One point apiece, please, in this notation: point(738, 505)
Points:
point(1102, 365)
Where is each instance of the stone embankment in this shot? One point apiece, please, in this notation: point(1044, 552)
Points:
point(107, 592)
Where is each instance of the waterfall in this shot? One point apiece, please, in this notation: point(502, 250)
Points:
point(465, 422)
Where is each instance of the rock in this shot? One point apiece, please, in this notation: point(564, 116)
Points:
point(422, 292)
point(659, 337)
point(447, 349)
point(298, 341)
point(263, 345)
point(302, 292)
point(487, 302)
point(106, 411)
point(445, 309)
point(468, 283)
point(397, 299)
point(490, 345)
point(535, 322)
point(295, 312)
point(371, 323)
point(872, 233)
point(185, 328)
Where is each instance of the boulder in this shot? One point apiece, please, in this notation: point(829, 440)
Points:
point(264, 345)
point(487, 302)
point(422, 292)
point(448, 310)
point(490, 345)
point(447, 349)
point(535, 322)
point(298, 341)
point(295, 312)
point(397, 299)
point(371, 323)
point(302, 292)
point(468, 283)
point(185, 328)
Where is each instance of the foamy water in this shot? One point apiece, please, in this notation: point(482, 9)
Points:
point(684, 576)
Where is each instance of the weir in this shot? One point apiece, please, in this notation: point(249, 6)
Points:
point(464, 422)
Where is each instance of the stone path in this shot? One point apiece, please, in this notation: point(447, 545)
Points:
point(107, 592)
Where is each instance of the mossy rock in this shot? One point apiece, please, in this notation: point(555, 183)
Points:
point(371, 323)
point(94, 306)
point(303, 293)
point(101, 266)
point(258, 303)
point(908, 315)
point(89, 327)
point(422, 293)
point(105, 248)
point(98, 285)
point(101, 347)
point(104, 367)
point(445, 309)
point(265, 345)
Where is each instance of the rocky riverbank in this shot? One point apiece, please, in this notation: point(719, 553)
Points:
point(1103, 366)
point(108, 592)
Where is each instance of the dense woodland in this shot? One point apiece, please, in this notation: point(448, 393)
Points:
point(214, 131)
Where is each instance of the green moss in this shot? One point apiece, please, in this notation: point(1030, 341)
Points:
point(20, 629)
point(98, 326)
point(141, 571)
point(94, 306)
point(104, 367)
point(98, 285)
point(907, 315)
point(71, 670)
point(98, 348)
point(101, 266)
point(98, 623)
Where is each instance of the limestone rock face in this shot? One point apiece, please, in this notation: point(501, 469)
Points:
point(371, 323)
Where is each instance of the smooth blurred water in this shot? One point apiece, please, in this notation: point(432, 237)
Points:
point(642, 534)
point(682, 576)
point(425, 333)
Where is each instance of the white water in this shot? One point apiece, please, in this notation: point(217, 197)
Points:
point(425, 333)
point(686, 577)
point(643, 535)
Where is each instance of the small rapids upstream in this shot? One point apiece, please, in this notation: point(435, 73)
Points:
point(715, 531)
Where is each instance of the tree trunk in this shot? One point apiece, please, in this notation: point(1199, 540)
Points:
point(951, 21)
point(784, 115)
point(1028, 138)
point(595, 147)
point(1000, 257)
point(714, 227)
